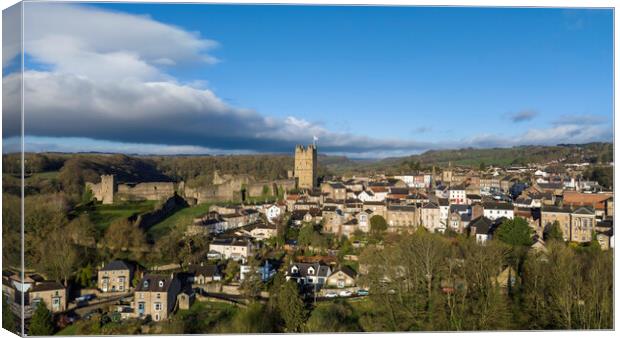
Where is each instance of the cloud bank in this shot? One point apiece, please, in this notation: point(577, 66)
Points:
point(103, 75)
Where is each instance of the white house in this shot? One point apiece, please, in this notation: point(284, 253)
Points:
point(308, 273)
point(273, 212)
point(457, 195)
point(495, 210)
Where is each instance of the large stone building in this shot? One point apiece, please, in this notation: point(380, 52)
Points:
point(306, 166)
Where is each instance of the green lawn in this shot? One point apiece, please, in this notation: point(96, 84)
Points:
point(67, 331)
point(104, 214)
point(46, 175)
point(203, 317)
point(181, 218)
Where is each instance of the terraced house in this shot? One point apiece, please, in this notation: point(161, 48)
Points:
point(156, 296)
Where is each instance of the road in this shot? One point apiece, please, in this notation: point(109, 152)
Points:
point(98, 303)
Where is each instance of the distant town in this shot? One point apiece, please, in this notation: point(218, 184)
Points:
point(153, 256)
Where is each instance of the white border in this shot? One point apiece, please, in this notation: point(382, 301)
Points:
point(470, 3)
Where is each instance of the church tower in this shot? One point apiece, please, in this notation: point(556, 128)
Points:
point(306, 166)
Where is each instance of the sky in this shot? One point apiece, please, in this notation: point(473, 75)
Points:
point(369, 82)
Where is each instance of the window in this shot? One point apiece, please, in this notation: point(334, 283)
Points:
point(157, 306)
point(158, 296)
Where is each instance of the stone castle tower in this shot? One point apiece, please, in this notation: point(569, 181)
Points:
point(306, 166)
point(108, 188)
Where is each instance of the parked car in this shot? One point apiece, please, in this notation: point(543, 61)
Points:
point(85, 298)
point(346, 293)
point(362, 292)
point(331, 294)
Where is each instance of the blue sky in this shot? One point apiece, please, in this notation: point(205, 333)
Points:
point(369, 81)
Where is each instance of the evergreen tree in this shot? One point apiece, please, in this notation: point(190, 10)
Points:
point(553, 232)
point(41, 323)
point(291, 307)
point(378, 225)
point(515, 232)
point(9, 320)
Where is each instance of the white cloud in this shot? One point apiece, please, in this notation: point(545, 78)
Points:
point(107, 45)
point(106, 80)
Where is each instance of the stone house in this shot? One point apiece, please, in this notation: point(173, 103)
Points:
point(551, 214)
point(35, 289)
point(363, 220)
point(116, 276)
point(430, 216)
point(261, 231)
point(204, 273)
point(334, 190)
point(156, 296)
point(482, 229)
point(342, 278)
point(583, 223)
point(401, 216)
point(232, 248)
point(54, 295)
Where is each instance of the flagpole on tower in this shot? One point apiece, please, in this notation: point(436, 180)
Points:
point(315, 139)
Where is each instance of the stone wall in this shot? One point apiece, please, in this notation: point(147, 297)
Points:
point(146, 191)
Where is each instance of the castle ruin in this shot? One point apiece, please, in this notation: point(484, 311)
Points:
point(109, 190)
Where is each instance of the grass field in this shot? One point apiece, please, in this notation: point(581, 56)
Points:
point(181, 218)
point(44, 175)
point(104, 214)
point(67, 331)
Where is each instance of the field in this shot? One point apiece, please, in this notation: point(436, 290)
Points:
point(180, 218)
point(102, 215)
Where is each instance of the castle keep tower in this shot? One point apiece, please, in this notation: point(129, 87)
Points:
point(306, 166)
point(108, 188)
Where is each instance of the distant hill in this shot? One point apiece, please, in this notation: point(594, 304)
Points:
point(473, 157)
point(74, 169)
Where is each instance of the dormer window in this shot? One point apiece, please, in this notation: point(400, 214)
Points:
point(161, 283)
point(294, 269)
point(145, 284)
point(311, 271)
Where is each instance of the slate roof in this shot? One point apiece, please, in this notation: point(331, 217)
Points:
point(117, 265)
point(399, 191)
point(347, 271)
point(229, 241)
point(337, 185)
point(209, 270)
point(320, 270)
point(430, 205)
point(154, 283)
point(47, 286)
point(553, 208)
point(483, 225)
point(584, 210)
point(497, 206)
point(460, 208)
